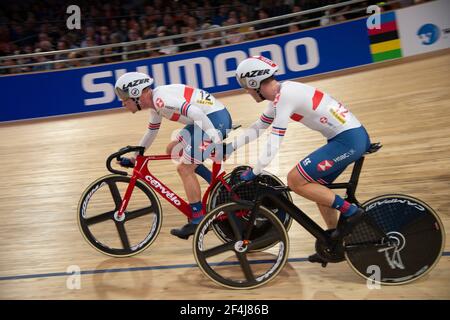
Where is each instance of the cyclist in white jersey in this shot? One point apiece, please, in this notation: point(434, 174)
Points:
point(207, 123)
point(347, 140)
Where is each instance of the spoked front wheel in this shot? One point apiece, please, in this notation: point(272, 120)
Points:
point(220, 195)
point(401, 240)
point(116, 236)
point(234, 264)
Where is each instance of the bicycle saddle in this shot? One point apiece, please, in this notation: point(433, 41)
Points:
point(374, 147)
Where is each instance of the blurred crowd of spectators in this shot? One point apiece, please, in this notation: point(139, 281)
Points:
point(28, 26)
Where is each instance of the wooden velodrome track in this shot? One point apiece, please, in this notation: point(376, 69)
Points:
point(47, 164)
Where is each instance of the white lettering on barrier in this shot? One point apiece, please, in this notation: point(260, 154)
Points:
point(207, 69)
point(190, 71)
point(158, 74)
point(143, 69)
point(222, 74)
point(312, 54)
point(119, 72)
point(105, 87)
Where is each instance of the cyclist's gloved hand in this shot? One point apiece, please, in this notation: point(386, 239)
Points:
point(127, 162)
point(248, 175)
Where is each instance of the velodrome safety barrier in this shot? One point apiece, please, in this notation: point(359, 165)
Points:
point(404, 32)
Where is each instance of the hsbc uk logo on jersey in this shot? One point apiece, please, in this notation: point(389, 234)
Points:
point(328, 164)
point(325, 165)
point(344, 155)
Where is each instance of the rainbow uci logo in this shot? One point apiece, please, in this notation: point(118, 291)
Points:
point(428, 33)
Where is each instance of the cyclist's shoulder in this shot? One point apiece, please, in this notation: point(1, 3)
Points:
point(294, 93)
point(167, 92)
point(168, 88)
point(294, 87)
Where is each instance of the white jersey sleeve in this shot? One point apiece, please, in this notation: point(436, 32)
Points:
point(200, 119)
point(153, 126)
point(309, 106)
point(279, 127)
point(170, 105)
point(256, 129)
point(173, 102)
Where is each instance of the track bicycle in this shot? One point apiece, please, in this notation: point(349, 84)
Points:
point(400, 238)
point(115, 202)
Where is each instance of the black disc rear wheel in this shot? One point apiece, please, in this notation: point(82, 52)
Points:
point(400, 241)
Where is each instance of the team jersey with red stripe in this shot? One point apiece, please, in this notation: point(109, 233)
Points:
point(305, 104)
point(174, 101)
point(181, 103)
point(301, 103)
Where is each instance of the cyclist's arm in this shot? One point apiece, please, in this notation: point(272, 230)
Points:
point(279, 127)
point(256, 129)
point(153, 127)
point(196, 114)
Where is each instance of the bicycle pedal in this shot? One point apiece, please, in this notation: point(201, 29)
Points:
point(315, 258)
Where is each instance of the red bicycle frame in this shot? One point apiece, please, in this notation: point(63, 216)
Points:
point(142, 173)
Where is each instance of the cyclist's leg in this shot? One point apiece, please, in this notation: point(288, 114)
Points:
point(188, 163)
point(307, 187)
point(186, 169)
point(175, 149)
point(329, 215)
point(201, 148)
point(223, 123)
point(324, 165)
point(193, 193)
point(198, 148)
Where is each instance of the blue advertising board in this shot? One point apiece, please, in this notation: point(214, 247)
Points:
point(299, 54)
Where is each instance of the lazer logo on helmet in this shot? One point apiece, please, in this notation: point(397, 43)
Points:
point(255, 73)
point(135, 83)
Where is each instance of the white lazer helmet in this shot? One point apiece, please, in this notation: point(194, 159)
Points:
point(252, 71)
point(131, 85)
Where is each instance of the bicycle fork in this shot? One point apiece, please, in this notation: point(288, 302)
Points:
point(120, 214)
